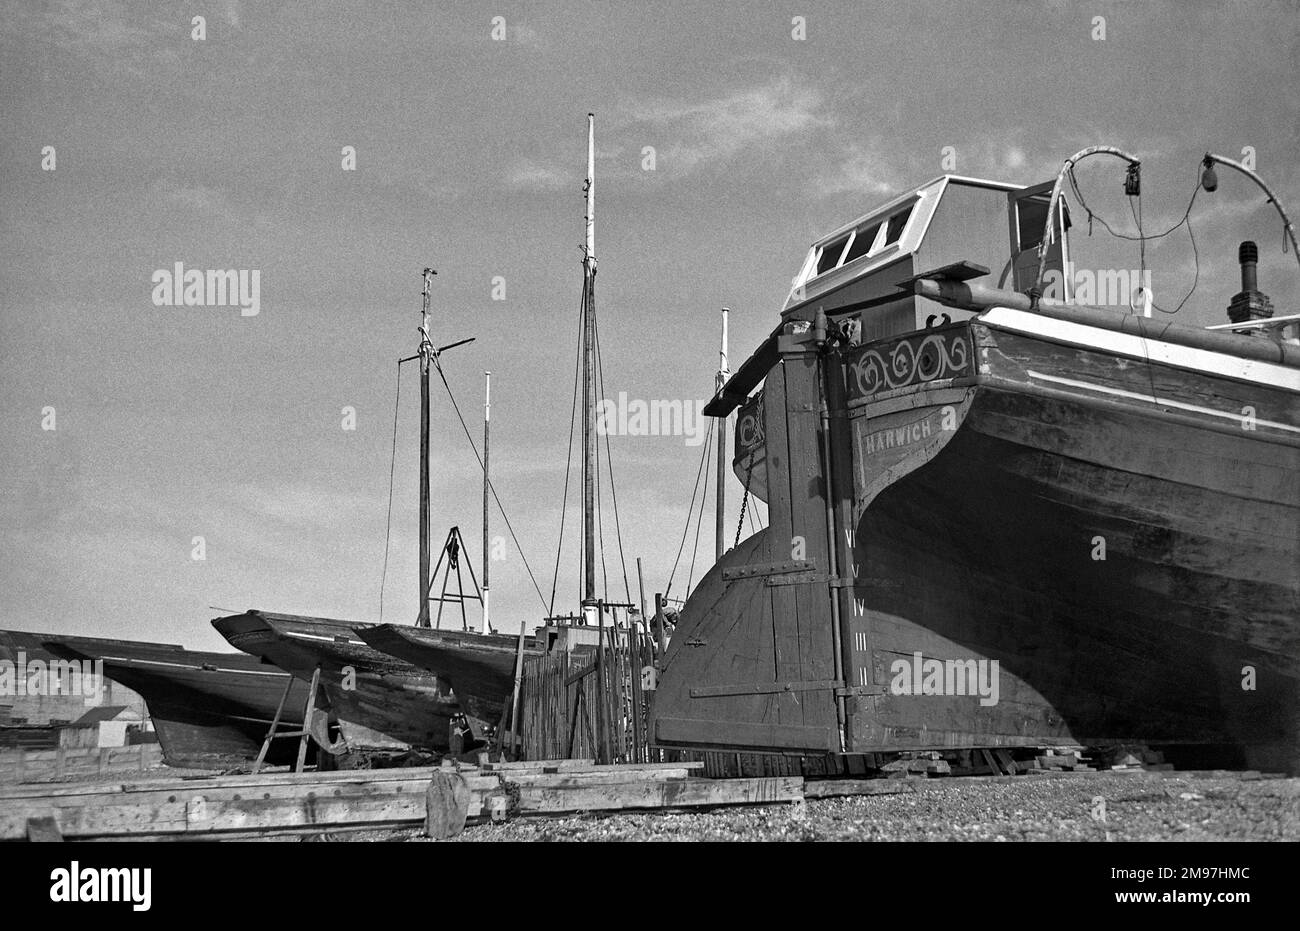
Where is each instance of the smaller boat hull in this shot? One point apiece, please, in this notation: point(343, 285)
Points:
point(210, 710)
point(382, 703)
point(480, 668)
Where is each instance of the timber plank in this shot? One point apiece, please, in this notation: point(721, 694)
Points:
point(221, 783)
point(780, 533)
point(838, 788)
point(159, 813)
point(687, 793)
point(812, 616)
point(566, 780)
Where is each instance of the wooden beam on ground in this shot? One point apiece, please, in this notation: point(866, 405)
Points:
point(575, 779)
point(271, 803)
point(839, 788)
point(670, 793)
point(214, 783)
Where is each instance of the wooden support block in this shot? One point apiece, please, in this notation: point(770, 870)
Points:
point(989, 762)
point(446, 805)
point(924, 766)
point(43, 829)
point(1057, 761)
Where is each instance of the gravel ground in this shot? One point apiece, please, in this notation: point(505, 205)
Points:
point(1138, 807)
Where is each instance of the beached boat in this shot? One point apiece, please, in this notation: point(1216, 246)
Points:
point(210, 710)
point(999, 519)
point(380, 702)
point(480, 668)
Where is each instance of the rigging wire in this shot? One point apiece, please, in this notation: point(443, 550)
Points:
point(392, 467)
point(690, 511)
point(568, 462)
point(1142, 238)
point(609, 465)
point(500, 507)
point(699, 523)
point(600, 531)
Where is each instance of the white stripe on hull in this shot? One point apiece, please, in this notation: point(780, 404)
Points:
point(133, 662)
point(1169, 402)
point(1138, 347)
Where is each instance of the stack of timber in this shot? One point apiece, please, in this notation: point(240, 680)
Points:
point(442, 799)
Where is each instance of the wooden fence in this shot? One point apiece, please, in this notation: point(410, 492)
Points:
point(590, 703)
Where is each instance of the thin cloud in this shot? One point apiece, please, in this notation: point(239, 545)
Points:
point(528, 175)
point(196, 197)
point(862, 169)
point(209, 202)
point(719, 130)
point(524, 35)
point(107, 34)
point(689, 136)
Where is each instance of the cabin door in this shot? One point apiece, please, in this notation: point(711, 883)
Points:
point(1028, 215)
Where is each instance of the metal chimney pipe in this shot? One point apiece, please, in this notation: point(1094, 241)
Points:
point(1248, 256)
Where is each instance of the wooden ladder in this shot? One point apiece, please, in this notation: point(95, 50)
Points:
point(308, 713)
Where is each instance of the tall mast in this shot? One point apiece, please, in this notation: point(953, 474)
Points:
point(487, 417)
point(426, 354)
point(720, 532)
point(589, 379)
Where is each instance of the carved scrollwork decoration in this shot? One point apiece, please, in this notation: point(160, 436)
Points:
point(908, 361)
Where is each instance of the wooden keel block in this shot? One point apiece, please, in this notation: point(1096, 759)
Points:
point(446, 805)
point(43, 830)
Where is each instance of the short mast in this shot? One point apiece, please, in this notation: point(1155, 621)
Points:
point(589, 380)
point(487, 417)
point(720, 532)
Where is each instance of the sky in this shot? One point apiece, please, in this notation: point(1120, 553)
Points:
point(172, 423)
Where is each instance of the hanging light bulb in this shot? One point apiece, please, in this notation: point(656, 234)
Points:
point(1209, 180)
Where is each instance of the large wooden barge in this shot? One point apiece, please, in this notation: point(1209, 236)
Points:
point(998, 519)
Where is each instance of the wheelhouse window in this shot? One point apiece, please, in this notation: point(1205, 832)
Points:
point(863, 241)
point(897, 223)
point(1031, 216)
point(869, 239)
point(830, 257)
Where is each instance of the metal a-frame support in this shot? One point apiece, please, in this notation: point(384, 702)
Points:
point(452, 551)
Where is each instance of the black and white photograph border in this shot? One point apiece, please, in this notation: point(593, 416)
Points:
point(368, 372)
